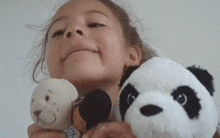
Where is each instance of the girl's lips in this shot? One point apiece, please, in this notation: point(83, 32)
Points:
point(75, 50)
point(78, 51)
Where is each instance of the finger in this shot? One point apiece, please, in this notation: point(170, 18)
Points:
point(35, 131)
point(101, 131)
point(47, 134)
point(89, 133)
point(115, 135)
point(79, 122)
point(111, 130)
point(115, 126)
point(130, 135)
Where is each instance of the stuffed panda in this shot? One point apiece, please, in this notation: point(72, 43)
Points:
point(162, 99)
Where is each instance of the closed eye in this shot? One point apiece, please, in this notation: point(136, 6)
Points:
point(61, 32)
point(58, 33)
point(94, 25)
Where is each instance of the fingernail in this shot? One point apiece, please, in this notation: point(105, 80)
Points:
point(103, 128)
point(85, 136)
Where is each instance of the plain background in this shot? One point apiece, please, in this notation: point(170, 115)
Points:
point(187, 31)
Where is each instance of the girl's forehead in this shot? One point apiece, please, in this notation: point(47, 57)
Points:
point(81, 6)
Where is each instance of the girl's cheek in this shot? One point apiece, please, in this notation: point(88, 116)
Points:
point(51, 57)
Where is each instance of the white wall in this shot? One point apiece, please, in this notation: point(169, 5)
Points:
point(186, 31)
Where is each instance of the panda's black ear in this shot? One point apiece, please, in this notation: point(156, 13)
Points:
point(126, 74)
point(204, 77)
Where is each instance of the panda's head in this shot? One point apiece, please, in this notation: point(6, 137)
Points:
point(163, 99)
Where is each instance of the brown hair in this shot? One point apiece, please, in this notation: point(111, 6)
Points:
point(130, 34)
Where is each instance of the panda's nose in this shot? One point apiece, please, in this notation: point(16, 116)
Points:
point(150, 110)
point(37, 113)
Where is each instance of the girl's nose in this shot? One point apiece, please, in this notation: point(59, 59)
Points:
point(73, 31)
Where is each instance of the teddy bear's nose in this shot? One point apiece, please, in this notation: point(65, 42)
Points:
point(150, 110)
point(37, 113)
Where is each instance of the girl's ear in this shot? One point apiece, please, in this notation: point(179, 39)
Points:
point(135, 55)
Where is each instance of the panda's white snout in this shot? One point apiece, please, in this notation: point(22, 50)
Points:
point(150, 110)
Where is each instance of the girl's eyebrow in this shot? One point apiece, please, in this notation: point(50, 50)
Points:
point(95, 11)
point(58, 19)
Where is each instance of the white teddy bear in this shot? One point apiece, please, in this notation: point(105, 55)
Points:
point(52, 104)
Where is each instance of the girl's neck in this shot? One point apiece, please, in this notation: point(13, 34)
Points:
point(111, 89)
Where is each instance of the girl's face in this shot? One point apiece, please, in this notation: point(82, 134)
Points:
point(86, 45)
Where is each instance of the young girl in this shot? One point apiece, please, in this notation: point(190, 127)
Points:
point(90, 43)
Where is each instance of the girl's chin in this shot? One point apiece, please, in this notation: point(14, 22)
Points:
point(84, 80)
point(84, 86)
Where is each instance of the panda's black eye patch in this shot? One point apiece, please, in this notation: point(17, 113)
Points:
point(127, 97)
point(187, 97)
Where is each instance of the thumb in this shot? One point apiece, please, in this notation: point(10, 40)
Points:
point(78, 121)
point(35, 131)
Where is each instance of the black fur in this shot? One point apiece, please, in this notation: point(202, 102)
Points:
point(126, 74)
point(192, 106)
point(125, 102)
point(150, 110)
point(95, 108)
point(204, 77)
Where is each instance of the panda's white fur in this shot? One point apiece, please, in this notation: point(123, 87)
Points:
point(52, 104)
point(155, 83)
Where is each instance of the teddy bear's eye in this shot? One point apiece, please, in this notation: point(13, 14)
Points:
point(47, 98)
point(32, 101)
point(130, 99)
point(181, 99)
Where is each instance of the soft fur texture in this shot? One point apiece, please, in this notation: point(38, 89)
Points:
point(52, 104)
point(163, 99)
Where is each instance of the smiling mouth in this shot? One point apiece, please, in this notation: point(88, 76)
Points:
point(79, 51)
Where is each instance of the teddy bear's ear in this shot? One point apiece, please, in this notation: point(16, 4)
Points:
point(204, 77)
point(126, 74)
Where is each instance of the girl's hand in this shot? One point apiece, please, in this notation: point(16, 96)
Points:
point(35, 131)
point(110, 130)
